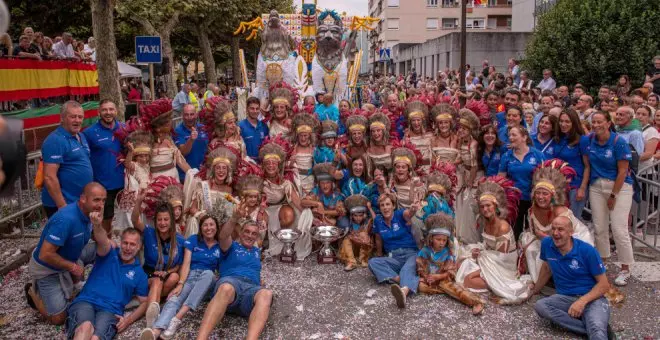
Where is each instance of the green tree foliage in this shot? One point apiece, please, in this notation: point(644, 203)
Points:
point(593, 42)
point(51, 18)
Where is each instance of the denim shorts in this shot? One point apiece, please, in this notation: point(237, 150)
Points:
point(244, 289)
point(105, 323)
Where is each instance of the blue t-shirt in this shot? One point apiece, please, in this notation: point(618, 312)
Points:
point(351, 185)
point(151, 249)
point(521, 172)
point(398, 235)
point(104, 149)
point(239, 261)
point(203, 257)
point(196, 155)
point(547, 148)
point(112, 284)
point(571, 154)
point(253, 136)
point(70, 230)
point(329, 201)
point(491, 162)
point(63, 148)
point(435, 204)
point(503, 135)
point(603, 158)
point(574, 273)
point(435, 258)
point(500, 119)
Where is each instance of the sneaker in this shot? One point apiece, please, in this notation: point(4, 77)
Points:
point(147, 334)
point(349, 267)
point(622, 278)
point(152, 313)
point(171, 329)
point(399, 296)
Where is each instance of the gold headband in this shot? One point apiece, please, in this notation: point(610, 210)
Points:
point(465, 122)
point(251, 191)
point(545, 185)
point(415, 114)
point(176, 203)
point(377, 125)
point(144, 149)
point(402, 159)
point(304, 128)
point(437, 187)
point(443, 116)
point(357, 127)
point(280, 100)
point(228, 115)
point(272, 156)
point(221, 160)
point(488, 197)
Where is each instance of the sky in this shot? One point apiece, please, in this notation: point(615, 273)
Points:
point(352, 7)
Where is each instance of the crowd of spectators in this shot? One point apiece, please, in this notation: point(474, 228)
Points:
point(35, 45)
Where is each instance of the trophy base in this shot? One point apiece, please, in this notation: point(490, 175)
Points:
point(326, 259)
point(288, 258)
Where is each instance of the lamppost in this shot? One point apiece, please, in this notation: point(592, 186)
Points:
point(461, 76)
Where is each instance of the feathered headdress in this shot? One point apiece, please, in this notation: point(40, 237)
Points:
point(469, 120)
point(480, 109)
point(446, 168)
point(444, 112)
point(403, 154)
point(357, 121)
point(328, 129)
point(439, 224)
point(132, 125)
point(417, 109)
point(323, 172)
point(282, 92)
point(221, 155)
point(162, 189)
point(304, 123)
point(441, 183)
point(156, 113)
point(356, 203)
point(217, 110)
point(554, 175)
point(379, 120)
point(502, 193)
point(250, 184)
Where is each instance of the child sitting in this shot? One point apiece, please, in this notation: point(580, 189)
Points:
point(438, 200)
point(251, 188)
point(359, 235)
point(436, 264)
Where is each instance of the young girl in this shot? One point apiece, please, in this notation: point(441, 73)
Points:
point(436, 265)
point(304, 139)
point(327, 152)
point(357, 141)
point(250, 188)
point(418, 132)
point(468, 130)
point(281, 104)
point(359, 236)
point(439, 198)
point(138, 176)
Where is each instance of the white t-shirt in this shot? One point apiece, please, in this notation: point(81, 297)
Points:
point(649, 133)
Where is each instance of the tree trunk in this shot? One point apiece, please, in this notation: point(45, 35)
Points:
point(169, 54)
point(207, 54)
point(106, 52)
point(196, 71)
point(235, 62)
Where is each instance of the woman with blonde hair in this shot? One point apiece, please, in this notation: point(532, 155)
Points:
point(6, 46)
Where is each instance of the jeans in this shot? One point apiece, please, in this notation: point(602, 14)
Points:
point(244, 293)
point(104, 322)
point(401, 263)
point(617, 219)
point(197, 285)
point(594, 320)
point(577, 206)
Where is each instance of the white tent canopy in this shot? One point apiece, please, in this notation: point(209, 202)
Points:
point(128, 71)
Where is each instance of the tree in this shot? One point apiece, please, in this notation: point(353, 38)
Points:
point(106, 51)
point(593, 42)
point(51, 18)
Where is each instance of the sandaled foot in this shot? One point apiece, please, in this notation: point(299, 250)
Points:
point(477, 309)
point(399, 295)
point(349, 267)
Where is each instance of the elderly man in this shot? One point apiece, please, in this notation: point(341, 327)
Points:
point(104, 149)
point(64, 48)
point(25, 49)
point(584, 103)
point(653, 75)
point(181, 99)
point(394, 107)
point(547, 83)
point(193, 95)
point(67, 166)
point(61, 254)
point(629, 129)
point(579, 277)
point(191, 139)
point(239, 289)
point(98, 311)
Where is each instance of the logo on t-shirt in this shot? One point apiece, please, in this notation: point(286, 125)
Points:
point(130, 274)
point(574, 265)
point(216, 253)
point(54, 237)
point(532, 161)
point(608, 153)
point(395, 226)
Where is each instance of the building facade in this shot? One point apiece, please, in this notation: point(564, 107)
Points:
point(416, 21)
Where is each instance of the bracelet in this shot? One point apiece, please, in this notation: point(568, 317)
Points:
point(612, 195)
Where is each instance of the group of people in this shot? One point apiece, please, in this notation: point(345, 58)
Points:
point(34, 45)
point(445, 192)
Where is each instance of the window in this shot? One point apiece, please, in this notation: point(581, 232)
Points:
point(475, 23)
point(508, 22)
point(431, 3)
point(449, 23)
point(393, 23)
point(392, 3)
point(431, 23)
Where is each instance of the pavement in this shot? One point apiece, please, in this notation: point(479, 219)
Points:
point(314, 301)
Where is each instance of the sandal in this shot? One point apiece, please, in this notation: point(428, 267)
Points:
point(28, 297)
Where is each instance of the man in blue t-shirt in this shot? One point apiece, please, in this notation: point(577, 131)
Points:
point(253, 130)
point(98, 311)
point(191, 139)
point(239, 290)
point(104, 148)
point(579, 276)
point(65, 153)
point(61, 253)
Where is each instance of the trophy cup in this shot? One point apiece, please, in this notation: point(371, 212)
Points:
point(327, 234)
point(288, 237)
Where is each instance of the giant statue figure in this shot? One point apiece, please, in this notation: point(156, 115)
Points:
point(330, 66)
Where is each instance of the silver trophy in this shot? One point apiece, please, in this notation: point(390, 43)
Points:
point(288, 237)
point(327, 234)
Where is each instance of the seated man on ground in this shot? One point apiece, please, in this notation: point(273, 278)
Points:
point(239, 289)
point(98, 311)
point(61, 254)
point(579, 276)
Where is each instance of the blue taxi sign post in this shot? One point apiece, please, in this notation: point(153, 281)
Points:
point(148, 50)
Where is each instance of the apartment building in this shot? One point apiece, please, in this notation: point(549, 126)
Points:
point(416, 21)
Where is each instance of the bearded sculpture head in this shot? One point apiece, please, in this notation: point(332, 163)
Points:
point(275, 38)
point(328, 39)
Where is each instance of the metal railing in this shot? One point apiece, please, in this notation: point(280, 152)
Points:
point(645, 215)
point(26, 197)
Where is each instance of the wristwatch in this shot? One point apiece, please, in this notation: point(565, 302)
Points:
point(612, 195)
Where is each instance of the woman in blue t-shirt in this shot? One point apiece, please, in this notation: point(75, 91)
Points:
point(200, 259)
point(491, 150)
point(518, 164)
point(544, 139)
point(395, 239)
point(610, 191)
point(163, 253)
point(567, 148)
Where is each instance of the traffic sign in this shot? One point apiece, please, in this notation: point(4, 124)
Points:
point(148, 50)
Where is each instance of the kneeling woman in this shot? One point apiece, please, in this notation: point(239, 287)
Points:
point(163, 254)
point(394, 237)
point(492, 264)
point(200, 259)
